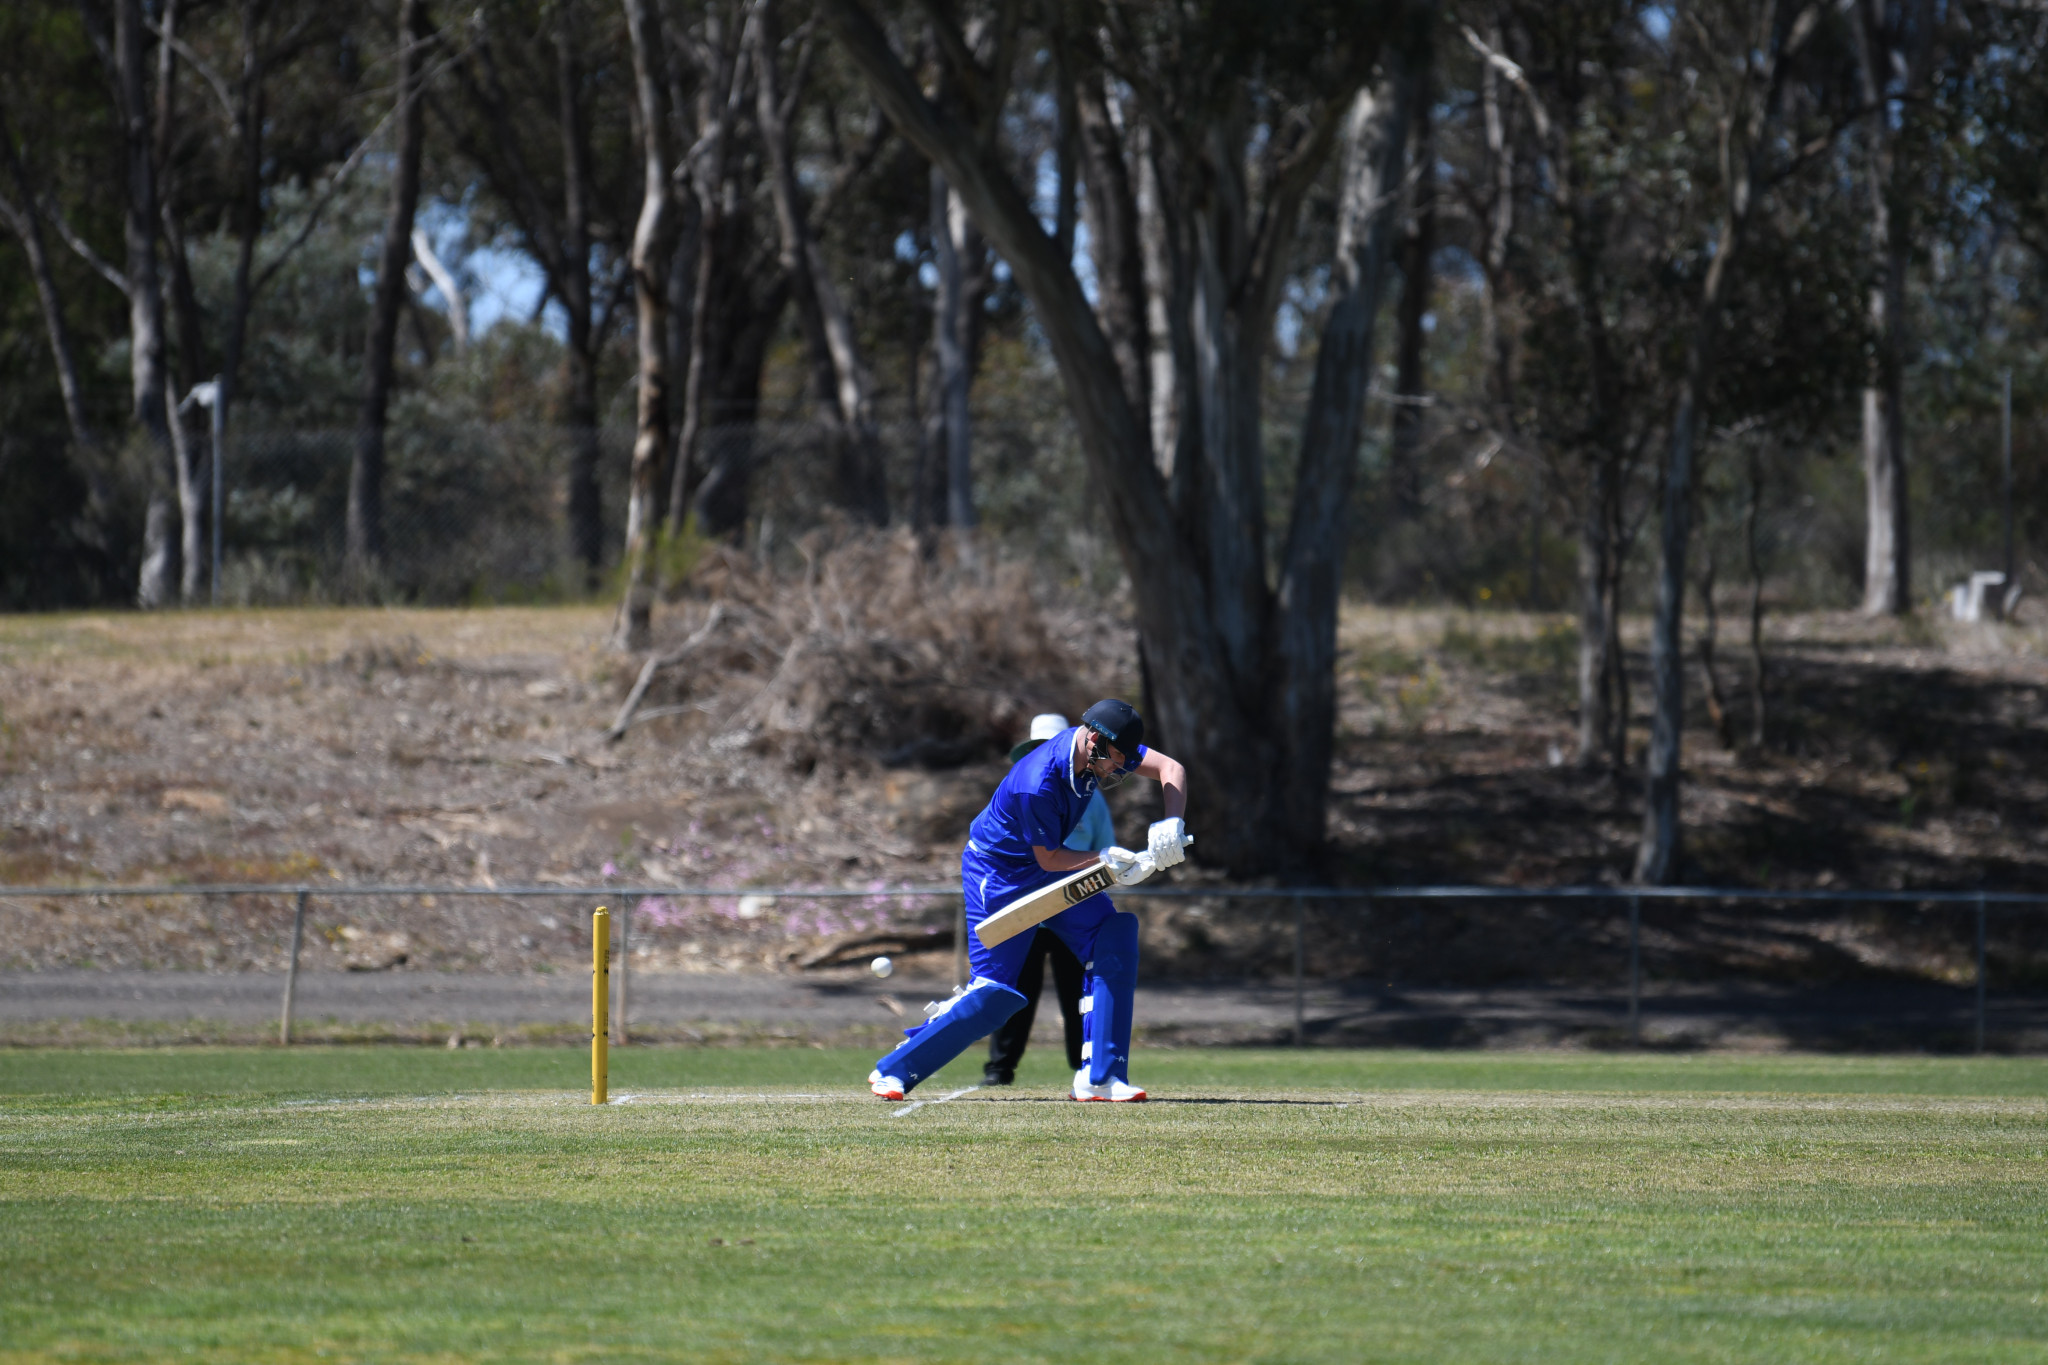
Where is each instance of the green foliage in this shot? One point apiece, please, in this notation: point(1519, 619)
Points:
point(1503, 465)
point(677, 553)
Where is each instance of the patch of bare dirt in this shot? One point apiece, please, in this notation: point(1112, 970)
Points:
point(845, 719)
point(838, 728)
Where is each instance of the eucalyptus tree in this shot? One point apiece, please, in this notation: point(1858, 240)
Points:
point(542, 120)
point(365, 527)
point(1574, 249)
point(1739, 64)
point(1229, 117)
point(651, 261)
point(739, 287)
point(841, 381)
point(23, 214)
point(1899, 47)
point(121, 39)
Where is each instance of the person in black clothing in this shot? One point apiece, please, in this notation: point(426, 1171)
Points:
point(1006, 1045)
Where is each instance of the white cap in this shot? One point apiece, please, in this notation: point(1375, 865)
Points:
point(1047, 725)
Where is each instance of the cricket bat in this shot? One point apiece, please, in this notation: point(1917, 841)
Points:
point(1034, 908)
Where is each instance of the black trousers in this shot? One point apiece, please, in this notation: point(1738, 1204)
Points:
point(1006, 1044)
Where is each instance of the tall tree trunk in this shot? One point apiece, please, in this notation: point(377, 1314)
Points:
point(1066, 152)
point(147, 371)
point(650, 293)
point(1110, 209)
point(953, 374)
point(586, 526)
point(839, 375)
point(366, 472)
point(1657, 854)
point(682, 297)
point(191, 508)
point(1496, 331)
point(1744, 146)
point(927, 471)
point(687, 469)
point(721, 98)
point(1603, 680)
point(182, 302)
point(25, 221)
point(1620, 543)
point(1418, 246)
point(1887, 557)
point(1717, 705)
point(1756, 599)
point(250, 119)
point(1166, 312)
point(1306, 642)
point(188, 365)
point(1227, 677)
point(1596, 549)
point(744, 324)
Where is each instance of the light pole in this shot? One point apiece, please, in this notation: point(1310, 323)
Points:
point(207, 396)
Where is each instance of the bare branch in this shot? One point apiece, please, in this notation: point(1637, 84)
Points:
point(802, 71)
point(1508, 67)
point(341, 175)
point(199, 64)
point(959, 56)
point(655, 663)
point(85, 252)
point(444, 280)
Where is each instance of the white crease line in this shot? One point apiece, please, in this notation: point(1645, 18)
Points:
point(916, 1105)
point(570, 1099)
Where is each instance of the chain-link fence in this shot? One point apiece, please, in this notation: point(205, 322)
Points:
point(1320, 965)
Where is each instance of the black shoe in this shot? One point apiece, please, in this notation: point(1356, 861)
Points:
point(995, 1077)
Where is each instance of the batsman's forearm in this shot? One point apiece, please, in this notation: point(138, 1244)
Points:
point(1062, 859)
point(1173, 786)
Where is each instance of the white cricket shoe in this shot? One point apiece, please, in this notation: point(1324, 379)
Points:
point(885, 1087)
point(1112, 1091)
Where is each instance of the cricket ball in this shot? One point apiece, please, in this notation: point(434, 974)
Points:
point(882, 967)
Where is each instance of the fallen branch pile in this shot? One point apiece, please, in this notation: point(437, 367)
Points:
point(870, 651)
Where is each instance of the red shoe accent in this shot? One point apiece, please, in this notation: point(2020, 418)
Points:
point(882, 1094)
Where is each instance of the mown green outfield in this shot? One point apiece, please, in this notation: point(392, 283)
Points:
point(399, 1205)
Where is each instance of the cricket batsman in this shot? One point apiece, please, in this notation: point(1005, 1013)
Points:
point(1014, 847)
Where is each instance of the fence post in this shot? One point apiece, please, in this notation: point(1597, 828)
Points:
point(291, 970)
point(1299, 1030)
point(1635, 971)
point(1980, 971)
point(960, 947)
point(625, 932)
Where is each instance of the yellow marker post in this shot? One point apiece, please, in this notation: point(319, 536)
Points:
point(600, 1002)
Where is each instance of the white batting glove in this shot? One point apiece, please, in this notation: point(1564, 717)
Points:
point(1126, 867)
point(1167, 841)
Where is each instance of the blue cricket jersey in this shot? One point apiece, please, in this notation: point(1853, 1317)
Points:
point(1039, 802)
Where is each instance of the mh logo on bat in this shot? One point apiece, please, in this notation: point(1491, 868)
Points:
point(1087, 886)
